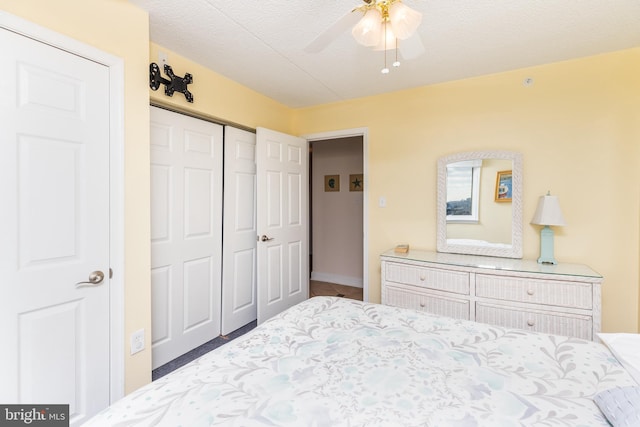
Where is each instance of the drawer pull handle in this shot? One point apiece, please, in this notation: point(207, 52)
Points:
point(531, 292)
point(422, 277)
point(530, 322)
point(422, 304)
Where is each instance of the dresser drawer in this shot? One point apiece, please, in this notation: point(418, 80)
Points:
point(418, 299)
point(558, 323)
point(516, 293)
point(431, 278)
point(549, 292)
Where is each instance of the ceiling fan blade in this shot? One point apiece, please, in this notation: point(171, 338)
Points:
point(333, 32)
point(412, 47)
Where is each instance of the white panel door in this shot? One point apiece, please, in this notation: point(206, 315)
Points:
point(54, 223)
point(186, 233)
point(282, 216)
point(239, 303)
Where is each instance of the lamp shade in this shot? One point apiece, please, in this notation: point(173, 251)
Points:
point(404, 20)
point(548, 212)
point(368, 30)
point(387, 39)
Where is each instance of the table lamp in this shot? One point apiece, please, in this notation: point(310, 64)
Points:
point(547, 213)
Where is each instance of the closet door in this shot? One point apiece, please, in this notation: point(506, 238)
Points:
point(186, 233)
point(283, 221)
point(239, 305)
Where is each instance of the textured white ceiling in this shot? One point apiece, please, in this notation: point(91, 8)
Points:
point(260, 43)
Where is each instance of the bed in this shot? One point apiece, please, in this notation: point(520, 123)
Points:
point(338, 362)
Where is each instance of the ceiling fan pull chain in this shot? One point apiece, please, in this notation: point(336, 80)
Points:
point(396, 63)
point(385, 70)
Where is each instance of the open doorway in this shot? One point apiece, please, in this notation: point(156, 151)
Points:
point(336, 199)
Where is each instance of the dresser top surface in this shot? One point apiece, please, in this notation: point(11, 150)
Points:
point(494, 263)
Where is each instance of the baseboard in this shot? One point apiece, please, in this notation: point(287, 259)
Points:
point(356, 282)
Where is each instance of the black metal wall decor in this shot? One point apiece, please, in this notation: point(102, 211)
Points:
point(176, 84)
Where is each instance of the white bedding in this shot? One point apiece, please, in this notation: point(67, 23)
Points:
point(340, 362)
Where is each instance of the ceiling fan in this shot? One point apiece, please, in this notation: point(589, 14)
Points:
point(380, 24)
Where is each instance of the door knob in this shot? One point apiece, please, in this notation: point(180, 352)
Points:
point(264, 238)
point(95, 278)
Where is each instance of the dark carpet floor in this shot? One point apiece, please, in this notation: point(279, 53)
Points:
point(199, 351)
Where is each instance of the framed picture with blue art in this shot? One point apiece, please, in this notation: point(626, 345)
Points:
point(332, 183)
point(504, 186)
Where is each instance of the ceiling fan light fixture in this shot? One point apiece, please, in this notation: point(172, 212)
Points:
point(386, 39)
point(404, 20)
point(384, 23)
point(368, 30)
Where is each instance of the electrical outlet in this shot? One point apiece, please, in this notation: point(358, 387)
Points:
point(137, 341)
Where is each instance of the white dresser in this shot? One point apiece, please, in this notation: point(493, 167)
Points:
point(561, 299)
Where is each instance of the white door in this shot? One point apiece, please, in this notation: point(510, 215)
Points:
point(282, 216)
point(239, 303)
point(186, 233)
point(54, 223)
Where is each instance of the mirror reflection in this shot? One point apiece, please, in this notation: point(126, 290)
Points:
point(472, 209)
point(479, 204)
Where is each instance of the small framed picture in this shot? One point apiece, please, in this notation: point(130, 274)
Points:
point(355, 182)
point(504, 186)
point(332, 183)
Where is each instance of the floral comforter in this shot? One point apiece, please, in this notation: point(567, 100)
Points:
point(339, 362)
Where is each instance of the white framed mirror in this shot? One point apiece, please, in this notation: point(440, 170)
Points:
point(480, 203)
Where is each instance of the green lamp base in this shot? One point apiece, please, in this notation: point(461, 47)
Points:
point(546, 246)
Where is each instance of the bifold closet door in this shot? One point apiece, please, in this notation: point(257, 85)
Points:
point(239, 301)
point(186, 233)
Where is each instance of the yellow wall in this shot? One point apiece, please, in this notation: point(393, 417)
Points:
point(218, 97)
point(578, 128)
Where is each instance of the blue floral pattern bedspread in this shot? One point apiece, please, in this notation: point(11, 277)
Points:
point(339, 362)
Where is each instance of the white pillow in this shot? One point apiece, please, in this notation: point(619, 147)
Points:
point(620, 406)
point(626, 348)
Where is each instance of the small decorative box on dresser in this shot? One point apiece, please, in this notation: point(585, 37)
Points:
point(561, 299)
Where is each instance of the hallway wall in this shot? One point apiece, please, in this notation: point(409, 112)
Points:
point(336, 216)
